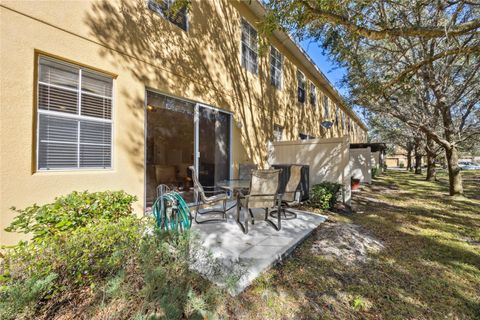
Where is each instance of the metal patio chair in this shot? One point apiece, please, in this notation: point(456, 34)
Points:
point(264, 185)
point(291, 195)
point(201, 199)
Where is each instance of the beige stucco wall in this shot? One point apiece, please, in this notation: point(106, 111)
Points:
point(327, 159)
point(144, 51)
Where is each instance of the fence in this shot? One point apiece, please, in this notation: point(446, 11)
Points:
point(361, 164)
point(328, 160)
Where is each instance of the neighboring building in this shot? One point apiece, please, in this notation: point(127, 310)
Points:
point(115, 95)
point(396, 160)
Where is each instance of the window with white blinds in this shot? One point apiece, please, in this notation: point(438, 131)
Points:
point(74, 123)
point(249, 47)
point(275, 68)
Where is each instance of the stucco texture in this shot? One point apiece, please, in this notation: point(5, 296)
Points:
point(327, 160)
point(143, 50)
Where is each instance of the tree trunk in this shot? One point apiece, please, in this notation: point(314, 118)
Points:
point(431, 171)
point(418, 164)
point(454, 173)
point(409, 160)
point(418, 157)
point(431, 160)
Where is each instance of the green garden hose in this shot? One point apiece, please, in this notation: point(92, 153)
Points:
point(177, 218)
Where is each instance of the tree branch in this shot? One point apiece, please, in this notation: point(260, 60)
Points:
point(425, 32)
point(415, 67)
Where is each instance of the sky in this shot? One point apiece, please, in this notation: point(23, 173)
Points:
point(330, 69)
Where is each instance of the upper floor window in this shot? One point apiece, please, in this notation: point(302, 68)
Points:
point(275, 68)
point(74, 117)
point(249, 47)
point(325, 107)
point(304, 136)
point(336, 115)
point(301, 86)
point(343, 120)
point(165, 8)
point(313, 94)
point(277, 133)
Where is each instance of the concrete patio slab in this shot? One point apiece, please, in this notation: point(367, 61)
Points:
point(233, 259)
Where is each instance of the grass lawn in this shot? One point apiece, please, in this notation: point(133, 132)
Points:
point(429, 267)
point(409, 251)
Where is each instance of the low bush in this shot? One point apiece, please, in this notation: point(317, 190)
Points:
point(165, 260)
point(324, 195)
point(70, 212)
point(108, 255)
point(66, 261)
point(374, 172)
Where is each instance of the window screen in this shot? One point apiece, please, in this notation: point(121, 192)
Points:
point(326, 114)
point(74, 117)
point(301, 86)
point(277, 133)
point(164, 8)
point(313, 94)
point(275, 68)
point(249, 47)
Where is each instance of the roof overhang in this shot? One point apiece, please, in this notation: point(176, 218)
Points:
point(260, 11)
point(374, 147)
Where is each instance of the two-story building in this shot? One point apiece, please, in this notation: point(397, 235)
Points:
point(122, 95)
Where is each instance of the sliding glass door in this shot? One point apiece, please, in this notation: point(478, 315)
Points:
point(179, 134)
point(213, 136)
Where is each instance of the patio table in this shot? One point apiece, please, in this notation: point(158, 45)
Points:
point(235, 186)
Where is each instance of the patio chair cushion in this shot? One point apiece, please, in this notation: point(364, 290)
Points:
point(258, 201)
point(290, 194)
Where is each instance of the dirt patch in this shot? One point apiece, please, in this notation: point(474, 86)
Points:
point(345, 242)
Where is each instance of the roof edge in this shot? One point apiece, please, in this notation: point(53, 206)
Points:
point(260, 11)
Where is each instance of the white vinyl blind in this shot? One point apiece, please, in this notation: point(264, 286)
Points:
point(74, 117)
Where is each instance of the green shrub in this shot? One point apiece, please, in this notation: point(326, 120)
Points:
point(19, 295)
point(71, 212)
point(80, 256)
point(165, 259)
point(85, 256)
point(374, 172)
point(113, 254)
point(324, 195)
point(402, 165)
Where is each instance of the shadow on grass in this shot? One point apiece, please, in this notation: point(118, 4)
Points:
point(427, 269)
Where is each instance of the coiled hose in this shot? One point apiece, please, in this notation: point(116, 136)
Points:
point(177, 218)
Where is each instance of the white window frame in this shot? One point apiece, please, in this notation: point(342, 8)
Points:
point(277, 129)
point(326, 110)
point(312, 94)
point(71, 116)
point(336, 115)
point(155, 7)
point(249, 31)
point(301, 85)
point(276, 64)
